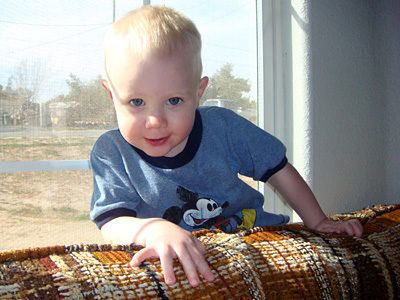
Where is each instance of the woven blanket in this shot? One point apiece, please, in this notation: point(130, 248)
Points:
point(285, 262)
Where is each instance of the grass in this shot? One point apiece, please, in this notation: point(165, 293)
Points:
point(82, 217)
point(21, 192)
point(70, 214)
point(52, 152)
point(27, 211)
point(62, 213)
point(65, 209)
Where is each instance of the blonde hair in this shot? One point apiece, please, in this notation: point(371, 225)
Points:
point(154, 31)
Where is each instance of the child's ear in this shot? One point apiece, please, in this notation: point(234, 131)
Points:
point(104, 83)
point(202, 87)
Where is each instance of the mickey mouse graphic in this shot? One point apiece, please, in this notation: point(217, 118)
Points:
point(199, 212)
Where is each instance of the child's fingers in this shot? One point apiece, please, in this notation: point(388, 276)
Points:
point(166, 260)
point(347, 228)
point(200, 246)
point(360, 229)
point(141, 256)
point(205, 271)
point(189, 257)
point(356, 227)
point(198, 264)
point(201, 263)
point(352, 227)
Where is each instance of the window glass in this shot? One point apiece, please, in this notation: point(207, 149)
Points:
point(53, 107)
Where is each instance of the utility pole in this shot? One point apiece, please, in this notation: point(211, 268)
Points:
point(145, 2)
point(113, 11)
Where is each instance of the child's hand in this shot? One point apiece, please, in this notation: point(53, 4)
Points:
point(352, 227)
point(167, 241)
point(298, 194)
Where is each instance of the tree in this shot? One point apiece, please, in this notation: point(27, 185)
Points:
point(88, 103)
point(30, 80)
point(9, 92)
point(12, 104)
point(224, 85)
point(23, 91)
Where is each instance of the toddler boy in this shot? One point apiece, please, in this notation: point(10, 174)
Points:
point(171, 167)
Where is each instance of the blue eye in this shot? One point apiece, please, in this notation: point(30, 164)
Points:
point(137, 102)
point(174, 101)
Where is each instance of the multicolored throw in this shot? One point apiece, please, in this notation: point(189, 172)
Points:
point(288, 262)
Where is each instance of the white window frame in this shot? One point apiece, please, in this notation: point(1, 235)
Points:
point(274, 103)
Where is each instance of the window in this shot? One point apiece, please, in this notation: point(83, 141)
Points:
point(53, 108)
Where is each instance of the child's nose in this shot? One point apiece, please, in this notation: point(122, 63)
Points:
point(156, 121)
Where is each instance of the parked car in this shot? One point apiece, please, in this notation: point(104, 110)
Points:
point(236, 106)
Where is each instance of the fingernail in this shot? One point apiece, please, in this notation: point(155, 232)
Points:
point(169, 280)
point(133, 263)
point(194, 283)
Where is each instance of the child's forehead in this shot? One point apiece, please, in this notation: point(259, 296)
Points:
point(143, 50)
point(124, 59)
point(127, 59)
point(127, 73)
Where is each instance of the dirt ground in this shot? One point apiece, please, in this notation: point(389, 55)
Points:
point(34, 232)
point(47, 208)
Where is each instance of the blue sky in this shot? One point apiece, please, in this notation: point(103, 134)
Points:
point(67, 36)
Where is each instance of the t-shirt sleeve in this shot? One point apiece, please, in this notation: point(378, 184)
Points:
point(113, 194)
point(274, 170)
point(258, 154)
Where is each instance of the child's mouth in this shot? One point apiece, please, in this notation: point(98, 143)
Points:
point(157, 142)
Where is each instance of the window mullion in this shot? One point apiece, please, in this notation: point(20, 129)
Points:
point(49, 165)
point(271, 99)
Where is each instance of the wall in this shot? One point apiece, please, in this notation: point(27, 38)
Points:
point(388, 13)
point(353, 110)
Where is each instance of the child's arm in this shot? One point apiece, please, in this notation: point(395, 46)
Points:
point(297, 193)
point(164, 240)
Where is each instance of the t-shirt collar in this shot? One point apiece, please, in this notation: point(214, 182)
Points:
point(185, 156)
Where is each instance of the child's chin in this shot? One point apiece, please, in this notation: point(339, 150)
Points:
point(157, 153)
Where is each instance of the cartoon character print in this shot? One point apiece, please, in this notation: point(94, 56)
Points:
point(200, 213)
point(248, 219)
point(205, 213)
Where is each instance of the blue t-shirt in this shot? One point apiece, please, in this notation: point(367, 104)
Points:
point(197, 189)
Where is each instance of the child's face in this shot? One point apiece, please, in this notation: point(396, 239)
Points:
point(155, 101)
